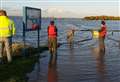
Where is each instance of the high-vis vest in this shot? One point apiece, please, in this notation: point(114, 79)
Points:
point(52, 30)
point(103, 31)
point(7, 27)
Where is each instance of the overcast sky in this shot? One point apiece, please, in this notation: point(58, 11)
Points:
point(66, 8)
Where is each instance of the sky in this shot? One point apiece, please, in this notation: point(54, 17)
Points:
point(64, 8)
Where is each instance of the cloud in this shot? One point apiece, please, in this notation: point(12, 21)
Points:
point(13, 11)
point(65, 8)
point(57, 12)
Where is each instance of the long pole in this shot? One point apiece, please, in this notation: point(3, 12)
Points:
point(38, 36)
point(24, 30)
point(98, 30)
point(39, 30)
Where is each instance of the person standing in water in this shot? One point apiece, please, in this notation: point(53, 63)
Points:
point(52, 38)
point(103, 30)
point(102, 35)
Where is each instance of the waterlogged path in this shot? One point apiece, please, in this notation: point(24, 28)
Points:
point(84, 62)
point(88, 61)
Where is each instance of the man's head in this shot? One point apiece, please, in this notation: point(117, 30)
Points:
point(52, 22)
point(3, 13)
point(103, 22)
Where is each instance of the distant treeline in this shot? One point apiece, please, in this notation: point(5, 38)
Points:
point(102, 17)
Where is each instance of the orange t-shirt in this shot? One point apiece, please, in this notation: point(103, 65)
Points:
point(103, 31)
point(52, 31)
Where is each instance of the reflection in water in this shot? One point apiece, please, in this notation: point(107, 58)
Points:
point(99, 53)
point(100, 61)
point(71, 54)
point(52, 69)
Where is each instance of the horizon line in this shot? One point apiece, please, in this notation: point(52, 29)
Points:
point(68, 17)
point(62, 1)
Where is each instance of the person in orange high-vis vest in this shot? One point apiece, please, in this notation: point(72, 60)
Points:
point(102, 35)
point(7, 29)
point(103, 31)
point(52, 37)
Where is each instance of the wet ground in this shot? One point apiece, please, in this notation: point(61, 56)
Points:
point(85, 61)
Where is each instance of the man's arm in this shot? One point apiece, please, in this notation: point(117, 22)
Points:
point(56, 30)
point(13, 29)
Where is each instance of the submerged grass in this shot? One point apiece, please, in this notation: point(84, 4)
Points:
point(17, 69)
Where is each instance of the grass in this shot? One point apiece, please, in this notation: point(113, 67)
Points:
point(17, 69)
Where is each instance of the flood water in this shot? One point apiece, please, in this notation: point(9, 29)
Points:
point(87, 60)
point(80, 63)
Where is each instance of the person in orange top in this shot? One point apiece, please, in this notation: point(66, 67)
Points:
point(52, 37)
point(102, 35)
point(103, 30)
